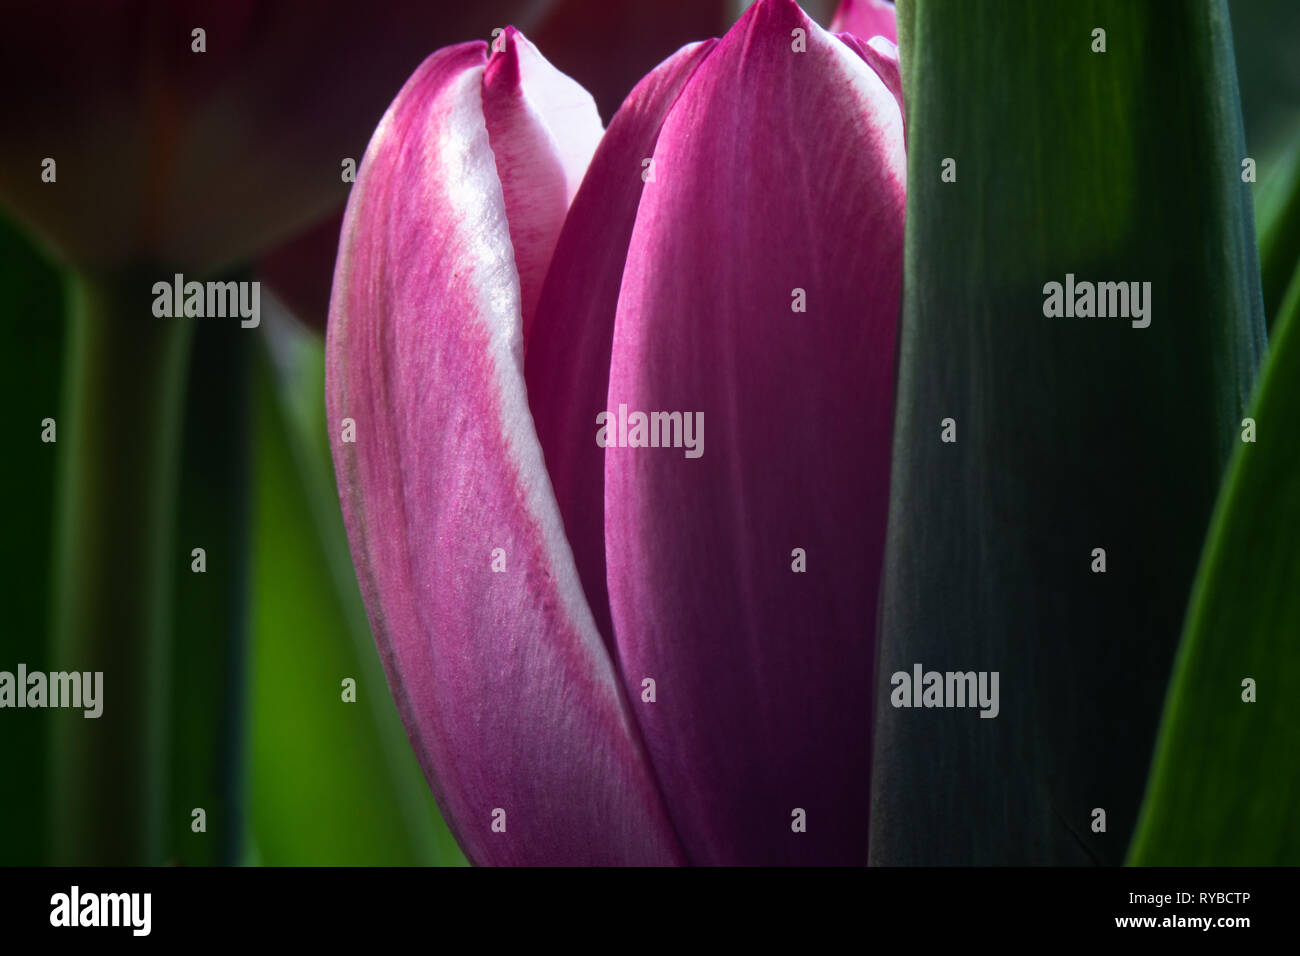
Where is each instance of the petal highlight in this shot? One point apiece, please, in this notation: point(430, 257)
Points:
point(543, 128)
point(882, 56)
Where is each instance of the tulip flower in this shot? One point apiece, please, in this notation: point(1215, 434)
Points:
point(605, 651)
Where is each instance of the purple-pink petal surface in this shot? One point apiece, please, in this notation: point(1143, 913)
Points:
point(866, 19)
point(779, 181)
point(568, 359)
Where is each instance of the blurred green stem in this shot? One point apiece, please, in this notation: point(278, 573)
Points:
point(118, 434)
point(206, 716)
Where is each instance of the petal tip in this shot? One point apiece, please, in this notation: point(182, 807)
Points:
point(780, 12)
point(503, 59)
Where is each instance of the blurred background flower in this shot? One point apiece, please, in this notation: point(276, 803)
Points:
point(196, 159)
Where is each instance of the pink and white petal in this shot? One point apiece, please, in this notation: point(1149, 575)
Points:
point(882, 56)
point(505, 688)
point(763, 674)
point(567, 366)
point(543, 128)
point(866, 19)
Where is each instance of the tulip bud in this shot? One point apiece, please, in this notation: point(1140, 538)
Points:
point(640, 645)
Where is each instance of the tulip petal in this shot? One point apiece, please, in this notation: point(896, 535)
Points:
point(882, 56)
point(763, 673)
point(866, 19)
point(543, 128)
point(501, 678)
point(568, 355)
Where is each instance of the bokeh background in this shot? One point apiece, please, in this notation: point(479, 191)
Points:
point(255, 729)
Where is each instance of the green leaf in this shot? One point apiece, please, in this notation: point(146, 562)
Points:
point(1225, 783)
point(1278, 207)
point(333, 782)
point(31, 334)
point(1072, 433)
point(1265, 35)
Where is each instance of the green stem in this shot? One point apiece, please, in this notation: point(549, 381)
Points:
point(208, 766)
point(115, 557)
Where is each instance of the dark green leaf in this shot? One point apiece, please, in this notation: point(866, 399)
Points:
point(1072, 433)
point(1278, 206)
point(1225, 784)
point(31, 335)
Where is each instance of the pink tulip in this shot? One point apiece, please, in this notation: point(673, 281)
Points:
point(629, 654)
